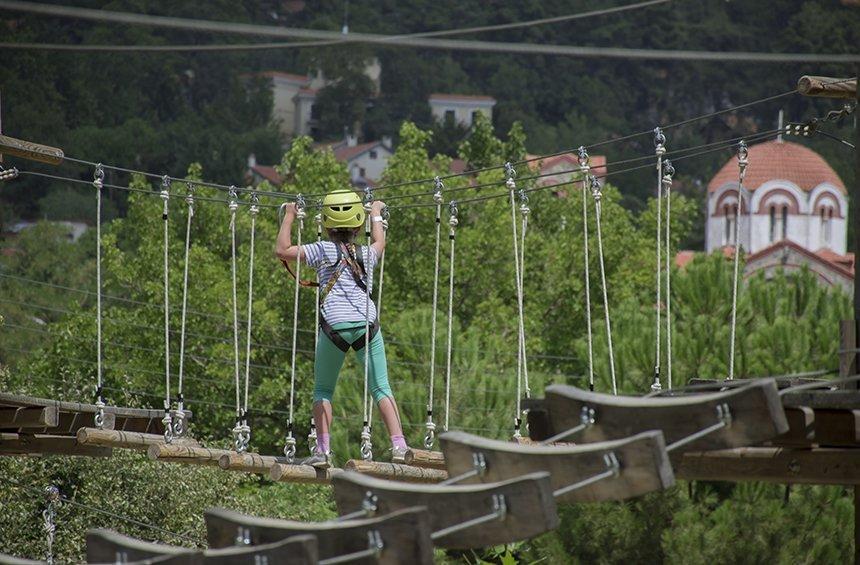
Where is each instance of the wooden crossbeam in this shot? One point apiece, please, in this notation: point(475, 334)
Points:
point(827, 399)
point(29, 417)
point(827, 87)
point(393, 471)
point(405, 534)
point(425, 458)
point(185, 454)
point(31, 151)
point(302, 474)
point(27, 444)
point(819, 466)
point(127, 440)
point(249, 462)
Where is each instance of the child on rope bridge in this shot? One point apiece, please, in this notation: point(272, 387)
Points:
point(344, 273)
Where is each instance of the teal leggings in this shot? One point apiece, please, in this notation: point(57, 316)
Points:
point(329, 359)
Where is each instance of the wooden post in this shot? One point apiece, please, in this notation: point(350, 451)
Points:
point(425, 458)
point(127, 440)
point(393, 471)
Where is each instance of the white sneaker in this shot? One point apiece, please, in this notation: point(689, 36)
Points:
point(398, 455)
point(319, 460)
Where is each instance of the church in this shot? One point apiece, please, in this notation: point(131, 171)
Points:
point(793, 213)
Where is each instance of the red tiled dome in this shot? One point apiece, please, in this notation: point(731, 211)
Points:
point(783, 160)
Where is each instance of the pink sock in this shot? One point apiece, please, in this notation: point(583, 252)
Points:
point(398, 442)
point(322, 443)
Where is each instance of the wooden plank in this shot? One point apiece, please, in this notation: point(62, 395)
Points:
point(302, 474)
point(756, 415)
point(801, 428)
point(106, 546)
point(32, 417)
point(27, 444)
point(531, 508)
point(249, 462)
point(645, 465)
point(819, 466)
point(827, 87)
point(393, 471)
point(30, 151)
point(837, 428)
point(405, 533)
point(827, 399)
point(185, 454)
point(126, 440)
point(425, 458)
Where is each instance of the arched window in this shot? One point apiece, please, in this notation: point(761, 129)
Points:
point(772, 231)
point(784, 234)
point(731, 214)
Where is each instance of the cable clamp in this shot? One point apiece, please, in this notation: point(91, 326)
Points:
point(583, 159)
point(233, 197)
point(189, 195)
point(99, 177)
point(8, 174)
point(438, 188)
point(300, 207)
point(366, 444)
point(596, 189)
point(290, 446)
point(659, 142)
point(454, 211)
point(255, 204)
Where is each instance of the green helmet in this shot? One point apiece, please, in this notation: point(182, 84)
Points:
point(342, 209)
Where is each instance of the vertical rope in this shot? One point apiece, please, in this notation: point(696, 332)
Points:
point(453, 221)
point(312, 434)
point(660, 150)
point(179, 424)
point(742, 169)
point(595, 192)
point(233, 205)
point(430, 434)
point(167, 420)
point(366, 445)
point(584, 168)
point(668, 171)
point(98, 183)
point(253, 211)
point(511, 184)
point(290, 441)
point(524, 212)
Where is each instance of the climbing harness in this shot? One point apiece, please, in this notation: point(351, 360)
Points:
point(233, 206)
point(49, 514)
point(584, 170)
point(659, 150)
point(512, 185)
point(430, 427)
point(167, 420)
point(366, 444)
point(743, 161)
point(179, 414)
point(290, 441)
point(596, 193)
point(668, 172)
point(452, 224)
point(98, 183)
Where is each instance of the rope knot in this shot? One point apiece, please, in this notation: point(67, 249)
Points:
point(524, 203)
point(233, 204)
point(453, 211)
point(510, 172)
point(596, 189)
point(743, 159)
point(189, 193)
point(255, 205)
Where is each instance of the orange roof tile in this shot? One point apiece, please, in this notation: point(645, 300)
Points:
point(784, 160)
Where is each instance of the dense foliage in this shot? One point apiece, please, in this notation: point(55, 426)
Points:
point(670, 526)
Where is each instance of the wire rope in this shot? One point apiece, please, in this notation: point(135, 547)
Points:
point(743, 161)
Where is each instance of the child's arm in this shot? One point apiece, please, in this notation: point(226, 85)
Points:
point(377, 233)
point(284, 249)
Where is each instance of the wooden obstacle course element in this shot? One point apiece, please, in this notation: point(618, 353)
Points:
point(127, 440)
point(425, 458)
point(191, 455)
point(394, 471)
point(644, 464)
point(827, 87)
point(30, 151)
point(249, 462)
point(756, 413)
point(405, 534)
point(773, 464)
point(40, 444)
point(106, 546)
point(294, 473)
point(29, 417)
point(530, 507)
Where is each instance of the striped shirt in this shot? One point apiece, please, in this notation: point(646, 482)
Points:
point(346, 302)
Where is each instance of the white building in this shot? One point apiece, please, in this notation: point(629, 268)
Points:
point(790, 193)
point(460, 108)
point(364, 161)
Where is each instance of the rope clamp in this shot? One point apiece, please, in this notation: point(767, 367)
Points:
point(510, 172)
point(583, 159)
point(189, 194)
point(438, 188)
point(290, 447)
point(167, 421)
point(366, 445)
point(300, 207)
point(255, 204)
point(743, 159)
point(233, 203)
point(99, 177)
point(368, 198)
point(312, 436)
point(659, 141)
point(453, 211)
point(100, 412)
point(596, 188)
